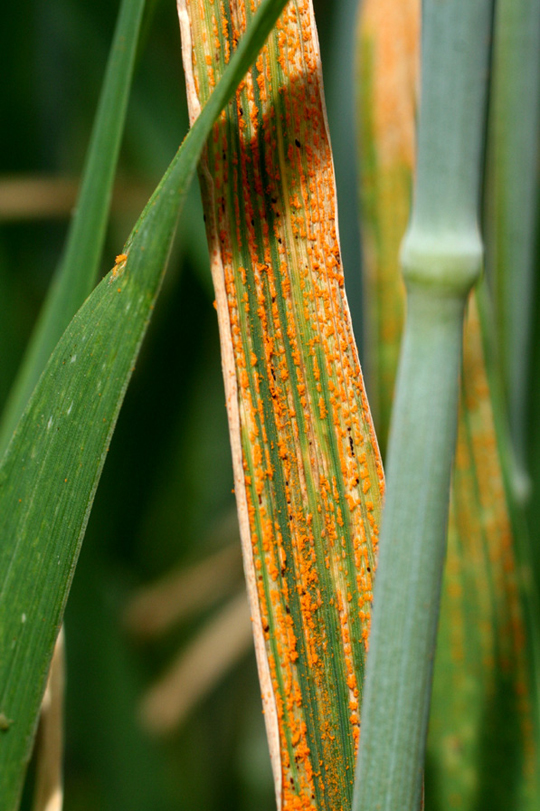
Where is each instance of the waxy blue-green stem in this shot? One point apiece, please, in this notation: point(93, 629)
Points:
point(442, 259)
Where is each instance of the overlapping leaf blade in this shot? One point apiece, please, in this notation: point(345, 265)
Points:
point(52, 466)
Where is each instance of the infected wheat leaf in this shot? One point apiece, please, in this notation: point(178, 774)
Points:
point(308, 477)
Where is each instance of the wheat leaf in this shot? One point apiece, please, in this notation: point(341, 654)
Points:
point(308, 478)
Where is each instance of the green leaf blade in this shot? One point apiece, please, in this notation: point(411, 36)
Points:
point(51, 468)
point(49, 477)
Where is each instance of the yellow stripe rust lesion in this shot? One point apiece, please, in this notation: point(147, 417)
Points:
point(309, 461)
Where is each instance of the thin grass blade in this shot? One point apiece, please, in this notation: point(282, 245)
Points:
point(78, 269)
point(52, 466)
point(308, 478)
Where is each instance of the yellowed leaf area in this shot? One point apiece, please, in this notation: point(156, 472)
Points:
point(391, 32)
point(308, 476)
point(387, 78)
point(482, 712)
point(481, 747)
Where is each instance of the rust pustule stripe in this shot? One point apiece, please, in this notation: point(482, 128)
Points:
point(308, 477)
